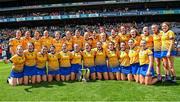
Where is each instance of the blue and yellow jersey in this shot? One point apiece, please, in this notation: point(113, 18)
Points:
point(166, 40)
point(94, 42)
point(100, 57)
point(79, 41)
point(113, 58)
point(149, 40)
point(46, 41)
point(37, 44)
point(30, 58)
point(124, 37)
point(124, 59)
point(134, 55)
point(13, 43)
point(57, 44)
point(64, 59)
point(25, 41)
point(137, 40)
point(41, 60)
point(88, 58)
point(144, 56)
point(157, 41)
point(69, 43)
point(76, 58)
point(17, 63)
point(53, 63)
point(115, 39)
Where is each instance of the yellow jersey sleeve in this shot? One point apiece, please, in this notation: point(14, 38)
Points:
point(11, 42)
point(18, 63)
point(171, 34)
point(13, 59)
point(149, 52)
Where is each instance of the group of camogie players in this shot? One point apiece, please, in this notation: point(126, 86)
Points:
point(118, 56)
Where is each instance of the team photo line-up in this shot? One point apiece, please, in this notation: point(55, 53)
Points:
point(118, 56)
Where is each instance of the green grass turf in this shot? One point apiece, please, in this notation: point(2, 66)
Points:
point(91, 91)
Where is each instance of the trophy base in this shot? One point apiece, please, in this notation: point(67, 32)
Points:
point(84, 80)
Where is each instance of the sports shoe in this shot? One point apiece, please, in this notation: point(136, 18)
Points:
point(168, 78)
point(174, 79)
point(8, 79)
point(159, 77)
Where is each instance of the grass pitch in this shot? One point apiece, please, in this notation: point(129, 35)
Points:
point(92, 91)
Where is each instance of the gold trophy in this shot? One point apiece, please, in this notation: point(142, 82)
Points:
point(85, 72)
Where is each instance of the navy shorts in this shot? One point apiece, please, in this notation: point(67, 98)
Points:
point(41, 71)
point(157, 54)
point(126, 70)
point(144, 69)
point(164, 53)
point(134, 68)
point(14, 74)
point(53, 72)
point(29, 70)
point(101, 68)
point(65, 71)
point(75, 68)
point(114, 69)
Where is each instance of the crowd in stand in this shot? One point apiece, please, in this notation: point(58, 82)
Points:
point(73, 12)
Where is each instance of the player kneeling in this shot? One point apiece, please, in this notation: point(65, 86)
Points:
point(124, 60)
point(76, 63)
point(134, 59)
point(53, 65)
point(30, 64)
point(18, 60)
point(88, 62)
point(41, 65)
point(113, 62)
point(146, 65)
point(100, 61)
point(65, 63)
